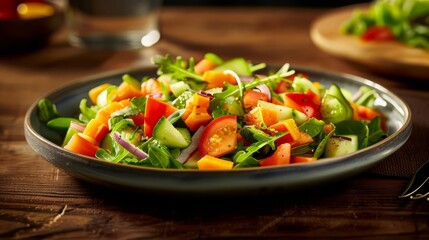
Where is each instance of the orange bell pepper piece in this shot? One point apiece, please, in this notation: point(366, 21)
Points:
point(213, 163)
point(302, 159)
point(79, 143)
point(96, 130)
point(204, 65)
point(126, 91)
point(218, 79)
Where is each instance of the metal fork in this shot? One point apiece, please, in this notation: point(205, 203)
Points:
point(418, 187)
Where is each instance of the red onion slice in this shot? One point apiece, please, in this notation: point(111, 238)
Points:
point(140, 154)
point(77, 126)
point(265, 89)
point(187, 152)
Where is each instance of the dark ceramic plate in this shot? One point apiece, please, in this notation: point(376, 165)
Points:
point(251, 180)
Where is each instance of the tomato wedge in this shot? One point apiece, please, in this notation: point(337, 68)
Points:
point(219, 137)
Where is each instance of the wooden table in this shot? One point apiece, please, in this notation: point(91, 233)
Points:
point(38, 200)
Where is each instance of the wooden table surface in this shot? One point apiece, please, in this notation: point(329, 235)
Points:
point(37, 200)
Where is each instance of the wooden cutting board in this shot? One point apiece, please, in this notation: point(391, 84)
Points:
point(392, 58)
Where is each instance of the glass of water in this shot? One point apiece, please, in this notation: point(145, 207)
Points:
point(113, 24)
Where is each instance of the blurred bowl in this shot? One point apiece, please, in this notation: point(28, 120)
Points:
point(31, 29)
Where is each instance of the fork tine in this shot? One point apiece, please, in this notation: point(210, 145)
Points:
point(419, 183)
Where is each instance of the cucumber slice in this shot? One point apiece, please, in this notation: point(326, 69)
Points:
point(284, 112)
point(341, 145)
point(335, 107)
point(238, 65)
point(170, 136)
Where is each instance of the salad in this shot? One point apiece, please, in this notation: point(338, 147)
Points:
point(406, 21)
point(217, 114)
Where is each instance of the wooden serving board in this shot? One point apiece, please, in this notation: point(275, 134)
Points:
point(392, 58)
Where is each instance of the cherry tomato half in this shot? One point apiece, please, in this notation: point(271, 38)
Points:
point(219, 137)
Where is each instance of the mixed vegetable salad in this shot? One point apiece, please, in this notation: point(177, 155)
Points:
point(216, 114)
point(405, 21)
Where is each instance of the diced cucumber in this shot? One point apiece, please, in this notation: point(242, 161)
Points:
point(284, 112)
point(238, 65)
point(178, 88)
point(170, 136)
point(180, 101)
point(341, 145)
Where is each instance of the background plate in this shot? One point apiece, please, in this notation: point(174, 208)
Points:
point(391, 58)
point(255, 180)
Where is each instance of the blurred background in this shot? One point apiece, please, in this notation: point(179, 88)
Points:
point(297, 3)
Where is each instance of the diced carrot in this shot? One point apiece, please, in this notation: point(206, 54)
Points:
point(198, 117)
point(280, 157)
point(213, 163)
point(269, 116)
point(150, 86)
point(126, 91)
point(125, 103)
point(201, 101)
point(302, 159)
point(218, 79)
point(303, 139)
point(104, 113)
point(94, 92)
point(96, 130)
point(204, 65)
point(78, 143)
point(251, 98)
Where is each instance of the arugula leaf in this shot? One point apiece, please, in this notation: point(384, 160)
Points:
point(177, 69)
point(232, 90)
point(255, 147)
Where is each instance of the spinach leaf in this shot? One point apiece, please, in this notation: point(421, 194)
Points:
point(321, 146)
point(353, 127)
point(312, 126)
point(375, 132)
